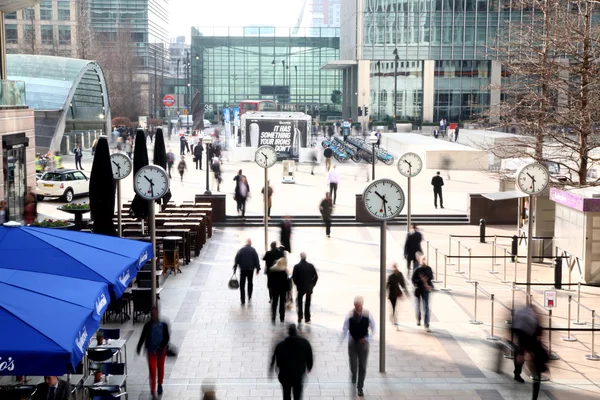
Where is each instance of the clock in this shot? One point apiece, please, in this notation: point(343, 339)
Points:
point(533, 178)
point(151, 182)
point(121, 165)
point(383, 199)
point(410, 164)
point(265, 156)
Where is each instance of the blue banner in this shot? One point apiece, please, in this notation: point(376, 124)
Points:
point(236, 117)
point(226, 115)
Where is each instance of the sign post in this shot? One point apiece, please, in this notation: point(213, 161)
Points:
point(168, 101)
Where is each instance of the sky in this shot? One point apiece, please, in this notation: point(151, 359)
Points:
point(184, 14)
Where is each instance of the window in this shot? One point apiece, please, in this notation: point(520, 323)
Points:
point(29, 33)
point(64, 35)
point(79, 176)
point(12, 15)
point(29, 14)
point(47, 35)
point(46, 10)
point(64, 10)
point(12, 35)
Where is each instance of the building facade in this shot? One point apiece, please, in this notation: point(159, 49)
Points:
point(48, 28)
point(444, 65)
point(282, 64)
point(325, 13)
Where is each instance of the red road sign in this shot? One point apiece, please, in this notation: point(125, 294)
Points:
point(168, 101)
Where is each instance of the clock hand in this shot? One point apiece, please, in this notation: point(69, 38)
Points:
point(532, 178)
point(118, 166)
point(381, 197)
point(266, 158)
point(384, 209)
point(149, 180)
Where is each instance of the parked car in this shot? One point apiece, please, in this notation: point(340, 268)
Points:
point(66, 184)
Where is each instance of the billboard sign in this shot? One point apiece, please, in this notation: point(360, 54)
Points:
point(286, 136)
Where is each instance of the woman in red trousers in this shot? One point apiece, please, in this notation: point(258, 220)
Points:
point(156, 337)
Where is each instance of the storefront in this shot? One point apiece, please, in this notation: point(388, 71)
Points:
point(14, 163)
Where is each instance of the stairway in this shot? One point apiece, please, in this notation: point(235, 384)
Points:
point(344, 220)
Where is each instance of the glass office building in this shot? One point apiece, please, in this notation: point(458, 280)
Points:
point(253, 63)
point(445, 65)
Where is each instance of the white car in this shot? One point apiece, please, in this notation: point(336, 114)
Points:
point(66, 184)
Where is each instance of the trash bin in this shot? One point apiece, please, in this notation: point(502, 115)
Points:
point(171, 254)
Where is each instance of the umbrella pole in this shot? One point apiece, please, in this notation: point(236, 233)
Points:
point(152, 227)
point(119, 206)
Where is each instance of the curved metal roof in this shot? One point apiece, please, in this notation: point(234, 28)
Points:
point(16, 5)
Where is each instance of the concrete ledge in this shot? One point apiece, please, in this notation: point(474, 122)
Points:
point(473, 160)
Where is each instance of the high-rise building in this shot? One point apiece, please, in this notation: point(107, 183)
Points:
point(325, 13)
point(48, 28)
point(444, 65)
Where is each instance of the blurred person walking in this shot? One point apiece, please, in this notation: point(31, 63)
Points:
point(269, 198)
point(526, 327)
point(247, 260)
point(279, 286)
point(437, 182)
point(422, 278)
point(305, 278)
point(314, 161)
point(285, 237)
point(293, 357)
point(170, 160)
point(395, 285)
point(155, 336)
point(326, 208)
point(129, 146)
point(182, 145)
point(328, 153)
point(412, 246)
point(215, 166)
point(359, 325)
point(244, 193)
point(181, 167)
point(198, 149)
point(270, 258)
point(78, 156)
point(3, 212)
point(333, 178)
point(30, 209)
point(237, 192)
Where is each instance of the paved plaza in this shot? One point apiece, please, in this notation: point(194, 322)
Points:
point(227, 344)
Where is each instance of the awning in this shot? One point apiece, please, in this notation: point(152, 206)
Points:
point(511, 194)
point(339, 64)
point(16, 5)
point(15, 141)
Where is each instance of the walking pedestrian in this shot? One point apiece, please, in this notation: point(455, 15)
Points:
point(357, 326)
point(326, 208)
point(78, 156)
point(422, 278)
point(129, 146)
point(181, 167)
point(215, 166)
point(195, 141)
point(333, 178)
point(30, 209)
point(314, 161)
point(294, 357)
point(437, 182)
point(94, 145)
point(286, 233)
point(305, 278)
point(247, 260)
point(526, 327)
point(170, 160)
point(279, 286)
point(244, 193)
point(268, 198)
point(412, 246)
point(155, 336)
point(198, 149)
point(270, 258)
point(3, 211)
point(327, 153)
point(395, 285)
point(456, 130)
point(182, 145)
point(237, 192)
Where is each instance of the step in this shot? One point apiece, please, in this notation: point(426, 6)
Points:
point(346, 220)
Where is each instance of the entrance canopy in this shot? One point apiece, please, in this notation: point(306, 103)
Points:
point(339, 64)
point(509, 195)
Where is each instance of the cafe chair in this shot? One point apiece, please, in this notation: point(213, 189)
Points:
point(117, 308)
point(113, 368)
point(98, 356)
point(111, 333)
point(144, 283)
point(100, 394)
point(142, 303)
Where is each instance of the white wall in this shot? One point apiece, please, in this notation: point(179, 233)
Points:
point(348, 29)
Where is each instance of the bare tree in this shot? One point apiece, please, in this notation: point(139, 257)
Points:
point(29, 35)
point(86, 45)
point(551, 85)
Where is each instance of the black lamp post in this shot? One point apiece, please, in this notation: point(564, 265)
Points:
point(298, 93)
point(396, 59)
point(373, 141)
point(207, 139)
point(178, 89)
point(379, 91)
point(273, 64)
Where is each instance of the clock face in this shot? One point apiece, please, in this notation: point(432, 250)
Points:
point(121, 165)
point(265, 156)
point(533, 178)
point(151, 182)
point(383, 199)
point(410, 164)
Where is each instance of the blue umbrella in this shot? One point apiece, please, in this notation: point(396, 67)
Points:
point(98, 258)
point(46, 321)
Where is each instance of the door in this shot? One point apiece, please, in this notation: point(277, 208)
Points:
point(15, 181)
point(81, 182)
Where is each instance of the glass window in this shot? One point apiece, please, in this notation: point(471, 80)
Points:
point(29, 14)
point(52, 177)
point(46, 10)
point(12, 35)
point(79, 176)
point(64, 35)
point(64, 10)
point(29, 33)
point(11, 15)
point(47, 34)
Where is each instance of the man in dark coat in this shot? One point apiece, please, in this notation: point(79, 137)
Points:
point(294, 357)
point(182, 145)
point(53, 389)
point(279, 286)
point(270, 258)
point(247, 259)
point(305, 278)
point(395, 284)
point(437, 182)
point(412, 246)
point(286, 233)
point(422, 279)
point(198, 149)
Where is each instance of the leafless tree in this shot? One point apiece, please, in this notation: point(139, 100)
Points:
point(551, 85)
point(29, 36)
point(85, 43)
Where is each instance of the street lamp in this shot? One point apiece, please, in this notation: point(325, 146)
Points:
point(396, 59)
point(273, 64)
point(207, 140)
point(373, 141)
point(177, 86)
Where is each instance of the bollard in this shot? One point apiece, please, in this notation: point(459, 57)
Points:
point(558, 273)
point(445, 274)
point(437, 280)
point(569, 338)
point(492, 337)
point(482, 231)
point(512, 306)
point(428, 251)
point(458, 271)
point(578, 322)
point(505, 258)
point(474, 320)
point(514, 248)
point(469, 280)
point(551, 355)
point(593, 356)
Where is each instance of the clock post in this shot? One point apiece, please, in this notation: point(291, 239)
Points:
point(121, 168)
point(409, 165)
point(266, 201)
point(266, 156)
point(382, 290)
point(529, 245)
